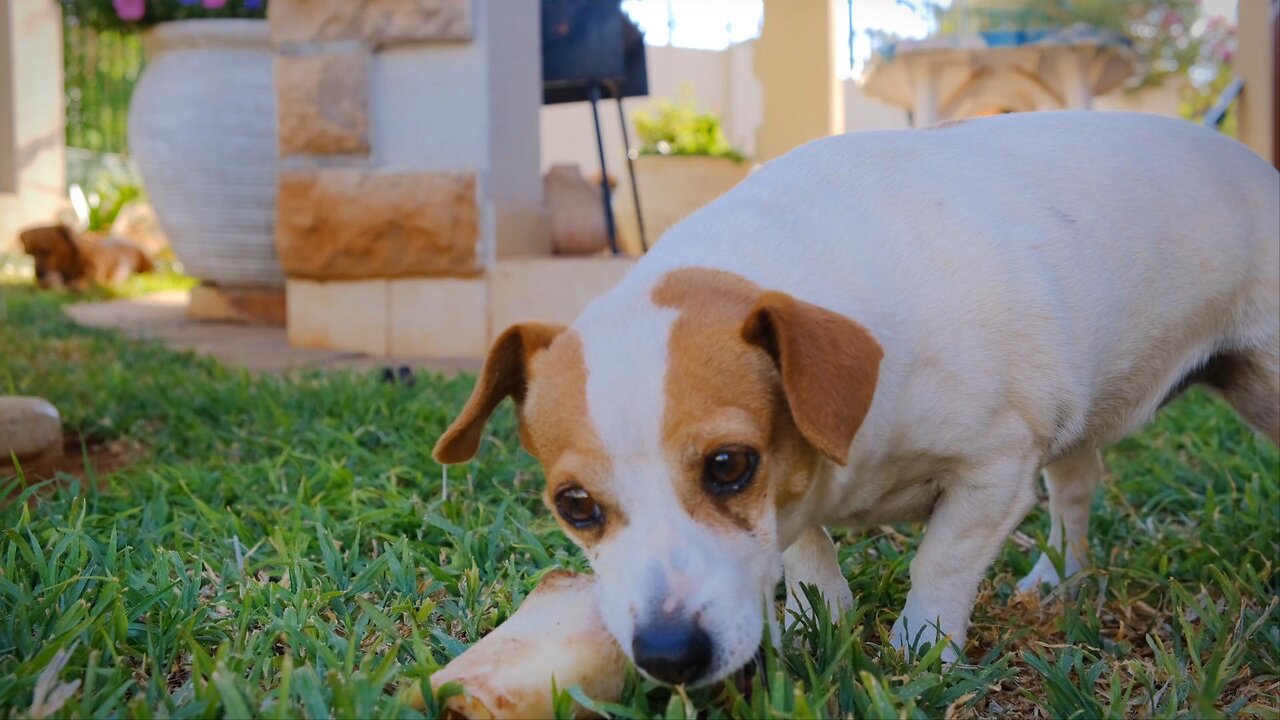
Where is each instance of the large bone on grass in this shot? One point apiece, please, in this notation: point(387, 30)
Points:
point(556, 633)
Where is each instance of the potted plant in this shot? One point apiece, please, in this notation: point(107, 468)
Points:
point(684, 162)
point(202, 131)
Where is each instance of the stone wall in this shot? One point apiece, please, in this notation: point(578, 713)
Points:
point(408, 131)
point(343, 216)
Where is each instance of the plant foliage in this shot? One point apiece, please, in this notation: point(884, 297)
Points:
point(679, 128)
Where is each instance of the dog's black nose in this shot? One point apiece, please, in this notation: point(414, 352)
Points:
point(675, 652)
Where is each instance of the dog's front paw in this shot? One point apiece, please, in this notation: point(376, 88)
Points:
point(914, 638)
point(838, 596)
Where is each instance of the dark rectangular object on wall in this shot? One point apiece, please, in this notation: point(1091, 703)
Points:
point(586, 43)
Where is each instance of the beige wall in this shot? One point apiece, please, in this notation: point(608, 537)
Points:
point(721, 82)
point(467, 106)
point(32, 135)
point(1254, 63)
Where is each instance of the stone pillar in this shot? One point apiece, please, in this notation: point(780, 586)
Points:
point(409, 137)
point(32, 133)
point(1255, 64)
point(1077, 90)
point(515, 95)
point(795, 62)
point(924, 80)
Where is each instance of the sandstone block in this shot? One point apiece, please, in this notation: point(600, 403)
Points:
point(438, 317)
point(338, 315)
point(347, 224)
point(376, 22)
point(302, 21)
point(549, 289)
point(247, 305)
point(322, 103)
point(396, 21)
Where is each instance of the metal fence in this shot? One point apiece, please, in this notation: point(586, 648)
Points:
point(101, 67)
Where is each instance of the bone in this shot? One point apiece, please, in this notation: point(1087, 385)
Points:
point(557, 633)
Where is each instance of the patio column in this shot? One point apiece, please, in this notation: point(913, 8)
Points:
point(1255, 62)
point(795, 62)
point(1077, 91)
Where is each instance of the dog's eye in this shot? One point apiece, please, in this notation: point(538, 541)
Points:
point(578, 508)
point(729, 469)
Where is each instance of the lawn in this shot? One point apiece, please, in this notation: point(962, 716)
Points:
point(283, 546)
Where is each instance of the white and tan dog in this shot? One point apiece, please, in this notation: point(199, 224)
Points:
point(885, 327)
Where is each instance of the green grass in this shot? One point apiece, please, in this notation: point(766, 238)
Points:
point(283, 548)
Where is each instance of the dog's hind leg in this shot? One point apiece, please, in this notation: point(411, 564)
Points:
point(1071, 482)
point(1250, 382)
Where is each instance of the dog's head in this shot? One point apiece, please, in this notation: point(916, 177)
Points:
point(56, 254)
point(671, 432)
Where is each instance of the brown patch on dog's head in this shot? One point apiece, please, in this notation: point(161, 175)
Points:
point(56, 253)
point(541, 367)
point(945, 124)
point(749, 367)
point(558, 430)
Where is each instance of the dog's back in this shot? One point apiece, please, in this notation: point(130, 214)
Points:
point(1073, 266)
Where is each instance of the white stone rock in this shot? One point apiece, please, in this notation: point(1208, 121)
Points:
point(29, 427)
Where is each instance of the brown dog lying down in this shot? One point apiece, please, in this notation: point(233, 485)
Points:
point(65, 258)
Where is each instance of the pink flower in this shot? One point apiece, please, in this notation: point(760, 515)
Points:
point(213, 4)
point(130, 10)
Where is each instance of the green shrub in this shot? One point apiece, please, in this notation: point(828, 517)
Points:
point(106, 197)
point(679, 128)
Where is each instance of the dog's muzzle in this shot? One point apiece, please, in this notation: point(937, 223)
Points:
point(672, 651)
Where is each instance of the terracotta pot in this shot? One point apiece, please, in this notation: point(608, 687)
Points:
point(671, 187)
point(202, 131)
point(575, 212)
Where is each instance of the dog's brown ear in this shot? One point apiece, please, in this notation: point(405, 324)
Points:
point(504, 374)
point(828, 365)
